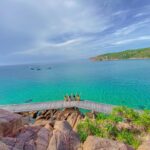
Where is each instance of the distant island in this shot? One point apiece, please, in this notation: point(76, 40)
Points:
point(143, 53)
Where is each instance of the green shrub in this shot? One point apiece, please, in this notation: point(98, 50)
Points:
point(110, 131)
point(82, 131)
point(101, 116)
point(115, 119)
point(144, 120)
point(126, 113)
point(88, 127)
point(111, 117)
point(128, 138)
point(106, 125)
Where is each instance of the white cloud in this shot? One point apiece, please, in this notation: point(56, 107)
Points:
point(46, 20)
point(131, 40)
point(131, 28)
point(68, 27)
point(45, 48)
point(120, 12)
point(139, 14)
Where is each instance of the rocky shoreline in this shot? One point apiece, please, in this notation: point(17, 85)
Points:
point(42, 118)
point(50, 130)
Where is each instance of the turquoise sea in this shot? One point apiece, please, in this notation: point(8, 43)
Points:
point(124, 82)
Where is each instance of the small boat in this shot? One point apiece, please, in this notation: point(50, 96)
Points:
point(31, 68)
point(38, 69)
point(28, 101)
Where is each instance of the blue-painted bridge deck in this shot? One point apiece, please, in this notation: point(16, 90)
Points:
point(84, 104)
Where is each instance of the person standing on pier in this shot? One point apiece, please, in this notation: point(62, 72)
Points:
point(65, 98)
point(73, 97)
point(78, 97)
point(69, 98)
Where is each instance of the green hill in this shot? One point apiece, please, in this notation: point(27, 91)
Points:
point(127, 54)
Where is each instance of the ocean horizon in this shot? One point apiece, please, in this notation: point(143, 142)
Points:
point(122, 82)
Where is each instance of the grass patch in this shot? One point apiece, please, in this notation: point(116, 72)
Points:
point(106, 126)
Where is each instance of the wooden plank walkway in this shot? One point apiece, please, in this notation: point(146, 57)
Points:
point(84, 104)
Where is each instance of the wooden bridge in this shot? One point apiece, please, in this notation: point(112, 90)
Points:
point(85, 104)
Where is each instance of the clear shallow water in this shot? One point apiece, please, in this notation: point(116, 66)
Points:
point(112, 82)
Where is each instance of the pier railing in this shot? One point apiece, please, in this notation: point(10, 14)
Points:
point(84, 104)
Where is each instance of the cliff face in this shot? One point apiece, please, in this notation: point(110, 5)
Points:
point(50, 130)
point(9, 123)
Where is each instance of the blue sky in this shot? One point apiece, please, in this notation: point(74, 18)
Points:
point(57, 30)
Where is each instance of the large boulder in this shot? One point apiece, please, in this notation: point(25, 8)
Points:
point(63, 138)
point(3, 146)
point(9, 122)
point(145, 143)
point(96, 143)
point(23, 140)
point(78, 120)
point(130, 127)
point(29, 138)
point(72, 119)
point(41, 122)
point(42, 140)
point(145, 146)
